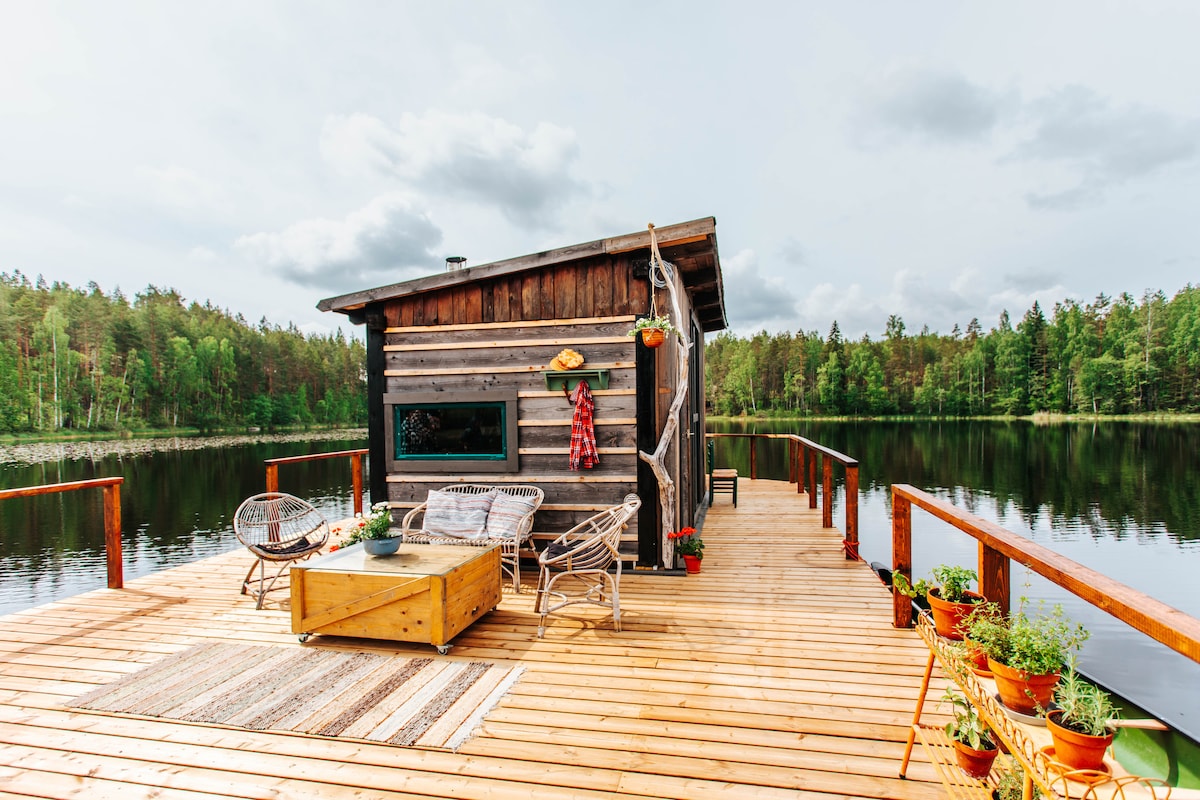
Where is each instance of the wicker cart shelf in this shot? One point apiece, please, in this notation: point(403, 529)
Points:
point(1026, 743)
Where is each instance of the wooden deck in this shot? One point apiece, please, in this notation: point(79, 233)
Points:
point(774, 673)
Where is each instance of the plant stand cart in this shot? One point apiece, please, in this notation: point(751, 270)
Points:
point(424, 593)
point(1029, 745)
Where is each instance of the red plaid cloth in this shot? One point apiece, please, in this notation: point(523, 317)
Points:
point(583, 431)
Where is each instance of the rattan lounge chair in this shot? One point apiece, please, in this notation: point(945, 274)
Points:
point(511, 536)
point(278, 528)
point(574, 567)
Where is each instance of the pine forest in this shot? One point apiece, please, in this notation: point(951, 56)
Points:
point(79, 359)
point(1110, 356)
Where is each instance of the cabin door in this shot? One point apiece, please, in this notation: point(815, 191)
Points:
point(696, 422)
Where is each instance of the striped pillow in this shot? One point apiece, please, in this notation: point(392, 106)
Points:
point(506, 514)
point(458, 515)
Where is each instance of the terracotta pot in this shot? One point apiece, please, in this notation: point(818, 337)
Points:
point(977, 659)
point(653, 337)
point(948, 616)
point(692, 563)
point(974, 763)
point(1076, 750)
point(1020, 691)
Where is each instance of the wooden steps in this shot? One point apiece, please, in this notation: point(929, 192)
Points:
point(774, 673)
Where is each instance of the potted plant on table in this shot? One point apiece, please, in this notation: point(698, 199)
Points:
point(653, 330)
point(1025, 652)
point(1081, 726)
point(950, 598)
point(689, 545)
point(375, 532)
point(974, 746)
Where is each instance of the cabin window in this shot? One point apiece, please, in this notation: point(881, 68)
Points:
point(452, 432)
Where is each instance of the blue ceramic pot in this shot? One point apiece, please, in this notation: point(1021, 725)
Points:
point(382, 547)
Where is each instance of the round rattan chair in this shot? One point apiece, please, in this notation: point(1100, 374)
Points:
point(278, 528)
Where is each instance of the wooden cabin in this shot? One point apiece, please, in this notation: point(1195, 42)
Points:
point(473, 346)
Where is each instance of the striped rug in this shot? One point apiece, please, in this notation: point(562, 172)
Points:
point(419, 702)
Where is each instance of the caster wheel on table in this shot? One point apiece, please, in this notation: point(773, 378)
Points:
point(443, 649)
point(304, 637)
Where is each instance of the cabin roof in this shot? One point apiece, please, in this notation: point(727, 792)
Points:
point(690, 246)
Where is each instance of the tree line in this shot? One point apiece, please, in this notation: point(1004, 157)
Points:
point(1110, 356)
point(80, 359)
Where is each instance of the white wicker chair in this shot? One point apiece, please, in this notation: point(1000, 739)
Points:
point(278, 528)
point(510, 548)
point(580, 558)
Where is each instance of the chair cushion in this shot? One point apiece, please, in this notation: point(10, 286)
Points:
point(506, 513)
point(458, 515)
point(556, 549)
point(286, 548)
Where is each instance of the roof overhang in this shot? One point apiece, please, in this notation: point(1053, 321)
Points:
point(690, 246)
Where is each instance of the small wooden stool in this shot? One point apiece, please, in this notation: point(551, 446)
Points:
point(723, 480)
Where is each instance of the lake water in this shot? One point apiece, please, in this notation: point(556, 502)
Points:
point(1122, 498)
point(177, 505)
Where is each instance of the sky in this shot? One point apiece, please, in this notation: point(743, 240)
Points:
point(940, 161)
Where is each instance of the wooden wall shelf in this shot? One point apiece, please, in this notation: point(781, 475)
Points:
point(568, 379)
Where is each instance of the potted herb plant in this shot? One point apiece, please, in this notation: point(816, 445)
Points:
point(1025, 653)
point(689, 545)
point(1010, 784)
point(949, 597)
point(1081, 726)
point(653, 330)
point(974, 746)
point(375, 532)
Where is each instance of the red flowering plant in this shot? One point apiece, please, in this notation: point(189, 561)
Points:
point(687, 542)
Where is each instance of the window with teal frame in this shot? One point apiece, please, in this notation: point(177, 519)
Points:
point(432, 432)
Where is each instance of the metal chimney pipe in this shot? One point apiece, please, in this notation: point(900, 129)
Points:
point(454, 262)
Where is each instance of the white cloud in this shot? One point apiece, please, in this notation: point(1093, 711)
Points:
point(932, 105)
point(475, 157)
point(385, 241)
point(755, 301)
point(1103, 146)
point(202, 255)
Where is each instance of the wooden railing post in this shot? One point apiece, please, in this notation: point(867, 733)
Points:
point(994, 583)
point(112, 516)
point(754, 458)
point(901, 558)
point(272, 477)
point(112, 536)
point(800, 481)
point(356, 480)
point(792, 461)
point(852, 512)
point(826, 491)
point(812, 478)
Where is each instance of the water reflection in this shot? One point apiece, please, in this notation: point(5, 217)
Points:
point(1121, 498)
point(176, 507)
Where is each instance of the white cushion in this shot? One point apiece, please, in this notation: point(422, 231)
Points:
point(506, 514)
point(459, 515)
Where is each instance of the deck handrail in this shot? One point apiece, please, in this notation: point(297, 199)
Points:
point(802, 451)
point(356, 470)
point(112, 516)
point(998, 547)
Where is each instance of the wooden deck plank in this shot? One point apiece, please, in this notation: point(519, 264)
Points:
point(755, 678)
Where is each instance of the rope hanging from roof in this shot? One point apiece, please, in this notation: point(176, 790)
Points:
point(657, 460)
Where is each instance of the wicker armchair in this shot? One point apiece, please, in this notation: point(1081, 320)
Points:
point(280, 529)
point(510, 546)
point(574, 567)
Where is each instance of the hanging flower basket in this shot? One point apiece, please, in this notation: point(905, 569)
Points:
point(653, 337)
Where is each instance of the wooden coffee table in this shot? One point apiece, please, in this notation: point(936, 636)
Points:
point(424, 593)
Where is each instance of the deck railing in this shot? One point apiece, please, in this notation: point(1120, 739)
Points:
point(803, 455)
point(356, 470)
point(112, 517)
point(999, 547)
